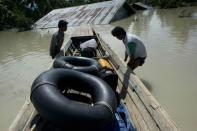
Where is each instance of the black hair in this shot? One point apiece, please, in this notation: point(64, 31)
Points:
point(95, 38)
point(117, 31)
point(62, 23)
point(88, 52)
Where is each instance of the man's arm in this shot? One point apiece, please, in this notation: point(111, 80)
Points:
point(132, 49)
point(126, 56)
point(59, 44)
point(53, 47)
point(131, 62)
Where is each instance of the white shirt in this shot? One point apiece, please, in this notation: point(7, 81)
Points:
point(140, 50)
point(90, 43)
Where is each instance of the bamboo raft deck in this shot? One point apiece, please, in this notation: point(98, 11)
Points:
point(146, 113)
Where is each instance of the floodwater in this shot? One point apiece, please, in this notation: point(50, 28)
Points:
point(169, 72)
point(170, 69)
point(23, 55)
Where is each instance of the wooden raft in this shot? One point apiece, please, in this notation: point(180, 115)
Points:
point(145, 112)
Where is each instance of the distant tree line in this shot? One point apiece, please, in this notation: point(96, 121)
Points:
point(165, 3)
point(23, 13)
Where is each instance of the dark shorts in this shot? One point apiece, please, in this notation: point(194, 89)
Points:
point(141, 59)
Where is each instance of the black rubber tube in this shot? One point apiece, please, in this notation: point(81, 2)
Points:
point(82, 64)
point(52, 105)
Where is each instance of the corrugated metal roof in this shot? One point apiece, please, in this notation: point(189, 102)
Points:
point(140, 6)
point(97, 13)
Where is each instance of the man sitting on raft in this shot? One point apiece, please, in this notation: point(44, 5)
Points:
point(88, 48)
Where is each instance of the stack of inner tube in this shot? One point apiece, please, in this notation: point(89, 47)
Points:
point(82, 64)
point(51, 104)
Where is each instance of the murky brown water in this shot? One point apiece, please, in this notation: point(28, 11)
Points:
point(22, 57)
point(170, 69)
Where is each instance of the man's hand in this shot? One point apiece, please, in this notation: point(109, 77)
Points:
point(126, 56)
point(125, 59)
point(131, 62)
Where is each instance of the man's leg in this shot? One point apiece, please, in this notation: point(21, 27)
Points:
point(133, 65)
point(129, 64)
point(138, 62)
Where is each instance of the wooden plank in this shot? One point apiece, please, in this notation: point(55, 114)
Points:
point(152, 126)
point(66, 45)
point(85, 30)
point(22, 117)
point(27, 126)
point(159, 114)
point(135, 115)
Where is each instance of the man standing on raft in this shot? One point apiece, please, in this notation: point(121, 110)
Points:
point(135, 48)
point(58, 38)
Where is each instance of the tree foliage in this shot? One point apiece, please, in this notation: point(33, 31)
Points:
point(22, 13)
point(164, 3)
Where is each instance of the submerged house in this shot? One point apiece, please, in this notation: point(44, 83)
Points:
point(96, 13)
point(140, 6)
